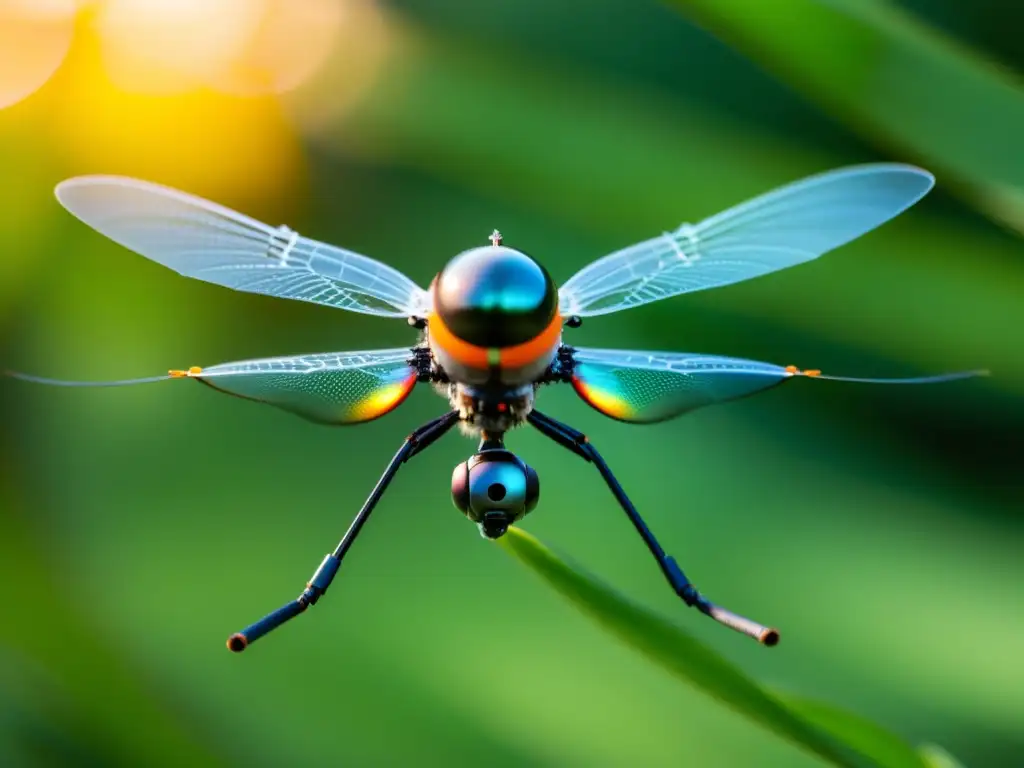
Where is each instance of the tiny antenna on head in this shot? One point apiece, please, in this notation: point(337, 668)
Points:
point(495, 237)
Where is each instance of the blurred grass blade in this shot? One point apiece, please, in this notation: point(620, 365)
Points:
point(868, 738)
point(839, 738)
point(91, 682)
point(893, 79)
point(936, 757)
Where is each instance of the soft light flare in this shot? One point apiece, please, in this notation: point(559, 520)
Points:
point(35, 36)
point(169, 46)
point(366, 38)
point(244, 47)
point(290, 43)
point(203, 142)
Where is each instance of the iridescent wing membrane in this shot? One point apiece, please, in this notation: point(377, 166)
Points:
point(788, 226)
point(340, 388)
point(200, 239)
point(336, 388)
point(647, 387)
point(785, 227)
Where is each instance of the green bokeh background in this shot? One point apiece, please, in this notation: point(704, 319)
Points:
point(878, 527)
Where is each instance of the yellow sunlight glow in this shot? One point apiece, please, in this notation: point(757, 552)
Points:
point(202, 141)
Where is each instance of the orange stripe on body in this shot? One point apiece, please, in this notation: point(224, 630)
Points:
point(509, 357)
point(464, 352)
point(530, 351)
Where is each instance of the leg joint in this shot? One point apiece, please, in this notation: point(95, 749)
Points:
point(679, 582)
point(321, 579)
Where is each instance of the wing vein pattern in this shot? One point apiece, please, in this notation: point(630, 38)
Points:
point(788, 226)
point(644, 387)
point(203, 240)
point(332, 388)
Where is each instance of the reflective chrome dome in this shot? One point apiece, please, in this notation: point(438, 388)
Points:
point(495, 296)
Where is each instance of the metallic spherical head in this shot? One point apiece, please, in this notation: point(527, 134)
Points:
point(495, 296)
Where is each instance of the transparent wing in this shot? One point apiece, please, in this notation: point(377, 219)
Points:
point(787, 226)
point(200, 239)
point(335, 388)
point(647, 387)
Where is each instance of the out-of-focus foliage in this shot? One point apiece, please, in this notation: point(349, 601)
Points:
point(879, 528)
point(834, 735)
point(937, 757)
point(896, 81)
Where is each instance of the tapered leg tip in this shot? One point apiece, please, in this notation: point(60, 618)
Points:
point(237, 643)
point(769, 637)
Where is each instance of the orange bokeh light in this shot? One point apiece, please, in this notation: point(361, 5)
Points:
point(365, 39)
point(245, 47)
point(291, 42)
point(35, 36)
point(211, 96)
point(172, 46)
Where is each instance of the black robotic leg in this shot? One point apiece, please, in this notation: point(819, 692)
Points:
point(324, 575)
point(578, 443)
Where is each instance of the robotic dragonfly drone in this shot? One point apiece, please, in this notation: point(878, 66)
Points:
point(492, 324)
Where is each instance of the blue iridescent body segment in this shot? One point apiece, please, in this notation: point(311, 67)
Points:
point(495, 297)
